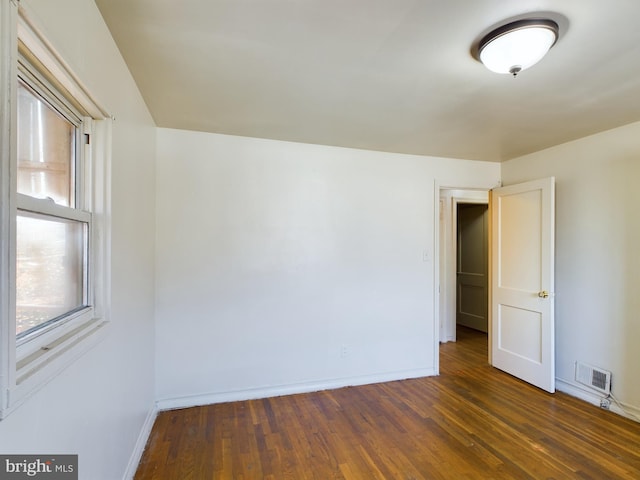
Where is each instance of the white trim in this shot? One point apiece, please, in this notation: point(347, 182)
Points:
point(8, 74)
point(291, 389)
point(578, 391)
point(436, 277)
point(141, 443)
point(593, 397)
point(101, 212)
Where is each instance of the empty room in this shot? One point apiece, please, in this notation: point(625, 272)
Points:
point(269, 239)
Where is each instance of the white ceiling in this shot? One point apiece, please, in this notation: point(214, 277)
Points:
point(388, 75)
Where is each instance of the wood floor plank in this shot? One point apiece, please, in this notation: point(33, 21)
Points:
point(471, 422)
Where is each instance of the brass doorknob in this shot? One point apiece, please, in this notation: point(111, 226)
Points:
point(543, 294)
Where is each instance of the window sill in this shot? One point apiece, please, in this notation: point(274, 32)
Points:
point(36, 370)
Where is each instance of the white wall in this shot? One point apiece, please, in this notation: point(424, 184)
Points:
point(597, 260)
point(97, 407)
point(272, 255)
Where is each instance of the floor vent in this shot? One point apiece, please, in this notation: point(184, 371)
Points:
point(593, 377)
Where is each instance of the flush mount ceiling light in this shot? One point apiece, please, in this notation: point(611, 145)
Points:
point(518, 45)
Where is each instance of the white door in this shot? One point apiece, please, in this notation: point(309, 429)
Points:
point(522, 281)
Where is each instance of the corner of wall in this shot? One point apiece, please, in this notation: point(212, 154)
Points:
point(141, 443)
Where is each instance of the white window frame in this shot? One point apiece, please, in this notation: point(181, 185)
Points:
point(29, 363)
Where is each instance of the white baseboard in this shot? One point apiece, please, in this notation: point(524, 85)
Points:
point(630, 411)
point(594, 398)
point(279, 390)
point(577, 391)
point(141, 442)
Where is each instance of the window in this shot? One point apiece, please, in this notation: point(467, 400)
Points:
point(52, 221)
point(54, 213)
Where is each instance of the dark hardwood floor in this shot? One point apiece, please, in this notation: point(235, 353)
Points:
point(471, 422)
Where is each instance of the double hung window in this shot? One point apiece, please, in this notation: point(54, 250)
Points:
point(53, 217)
point(54, 214)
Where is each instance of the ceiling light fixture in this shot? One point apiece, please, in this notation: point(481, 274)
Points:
point(518, 45)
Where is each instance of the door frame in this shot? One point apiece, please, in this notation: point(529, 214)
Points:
point(447, 228)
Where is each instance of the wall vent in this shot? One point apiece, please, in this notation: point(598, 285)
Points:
point(593, 377)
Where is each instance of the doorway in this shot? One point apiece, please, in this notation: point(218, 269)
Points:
point(473, 300)
point(472, 266)
point(521, 252)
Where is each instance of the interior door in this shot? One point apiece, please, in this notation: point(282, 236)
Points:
point(522, 281)
point(472, 268)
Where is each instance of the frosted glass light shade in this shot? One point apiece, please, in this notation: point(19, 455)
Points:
point(518, 45)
